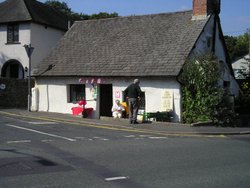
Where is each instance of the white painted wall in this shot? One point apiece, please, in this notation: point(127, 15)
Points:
point(42, 38)
point(202, 46)
point(53, 94)
point(14, 51)
point(227, 75)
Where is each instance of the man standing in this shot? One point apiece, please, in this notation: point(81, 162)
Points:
point(133, 93)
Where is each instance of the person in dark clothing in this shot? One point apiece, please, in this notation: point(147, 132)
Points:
point(133, 93)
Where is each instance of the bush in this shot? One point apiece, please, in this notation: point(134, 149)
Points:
point(200, 89)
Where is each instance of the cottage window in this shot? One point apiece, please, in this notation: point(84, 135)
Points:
point(76, 92)
point(13, 33)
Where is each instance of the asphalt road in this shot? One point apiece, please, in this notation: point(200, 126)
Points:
point(44, 154)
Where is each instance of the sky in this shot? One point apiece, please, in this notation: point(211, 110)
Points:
point(235, 14)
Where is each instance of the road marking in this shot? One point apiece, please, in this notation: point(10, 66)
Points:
point(116, 178)
point(157, 137)
point(80, 138)
point(144, 136)
point(120, 128)
point(100, 138)
point(104, 139)
point(39, 132)
point(42, 123)
point(18, 141)
point(130, 136)
point(47, 140)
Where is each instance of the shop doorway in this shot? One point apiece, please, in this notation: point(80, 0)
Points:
point(106, 99)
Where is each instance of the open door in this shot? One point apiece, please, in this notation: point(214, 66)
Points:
point(106, 99)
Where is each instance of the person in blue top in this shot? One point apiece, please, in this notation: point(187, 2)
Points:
point(133, 93)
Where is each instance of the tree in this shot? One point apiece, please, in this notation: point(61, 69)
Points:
point(63, 8)
point(238, 46)
point(200, 89)
point(103, 15)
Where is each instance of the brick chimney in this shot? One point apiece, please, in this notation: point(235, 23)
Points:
point(204, 8)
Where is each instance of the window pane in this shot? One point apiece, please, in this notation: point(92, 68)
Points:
point(9, 34)
point(12, 33)
point(77, 92)
point(16, 33)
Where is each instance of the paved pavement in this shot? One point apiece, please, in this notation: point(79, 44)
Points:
point(169, 128)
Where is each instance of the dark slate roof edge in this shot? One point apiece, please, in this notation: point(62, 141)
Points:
point(101, 76)
point(36, 12)
point(45, 22)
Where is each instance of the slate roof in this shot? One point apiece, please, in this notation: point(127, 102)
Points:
point(148, 45)
point(32, 10)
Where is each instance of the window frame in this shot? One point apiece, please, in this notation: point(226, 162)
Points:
point(76, 92)
point(13, 34)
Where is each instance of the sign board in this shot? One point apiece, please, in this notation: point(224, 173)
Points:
point(167, 100)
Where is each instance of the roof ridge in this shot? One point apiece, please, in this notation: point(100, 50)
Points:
point(28, 9)
point(137, 16)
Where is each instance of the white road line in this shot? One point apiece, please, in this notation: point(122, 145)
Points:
point(104, 139)
point(100, 138)
point(144, 135)
point(41, 123)
point(129, 136)
point(80, 138)
point(116, 178)
point(18, 141)
point(47, 140)
point(36, 122)
point(39, 132)
point(158, 137)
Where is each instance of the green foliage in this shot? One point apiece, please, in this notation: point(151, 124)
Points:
point(63, 8)
point(244, 100)
point(237, 46)
point(199, 80)
point(102, 15)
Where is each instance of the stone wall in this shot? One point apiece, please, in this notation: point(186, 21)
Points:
point(13, 93)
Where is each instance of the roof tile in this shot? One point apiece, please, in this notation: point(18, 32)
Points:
point(149, 45)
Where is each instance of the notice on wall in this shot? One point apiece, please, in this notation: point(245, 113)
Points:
point(117, 94)
point(167, 100)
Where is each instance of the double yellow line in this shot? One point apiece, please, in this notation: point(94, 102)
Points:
point(116, 128)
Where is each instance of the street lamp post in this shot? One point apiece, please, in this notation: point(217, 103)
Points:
point(29, 49)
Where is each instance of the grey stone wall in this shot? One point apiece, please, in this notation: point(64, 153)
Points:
point(13, 93)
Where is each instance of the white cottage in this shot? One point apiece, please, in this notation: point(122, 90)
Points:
point(98, 59)
point(27, 22)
